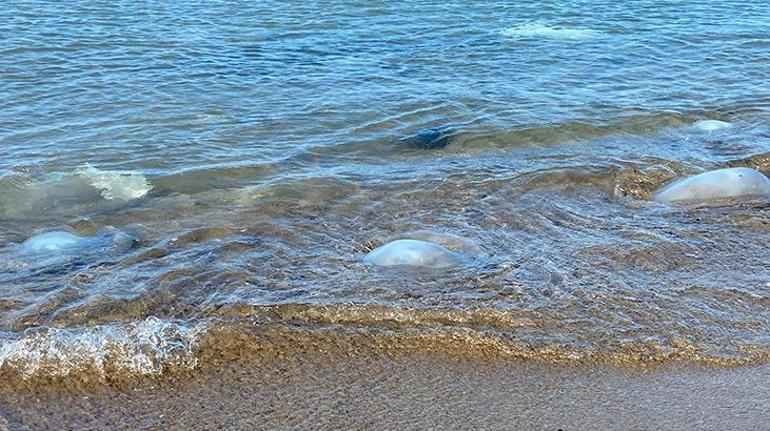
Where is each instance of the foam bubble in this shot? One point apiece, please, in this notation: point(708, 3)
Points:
point(533, 29)
point(117, 185)
point(140, 348)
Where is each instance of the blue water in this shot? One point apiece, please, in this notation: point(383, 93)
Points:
point(165, 87)
point(255, 151)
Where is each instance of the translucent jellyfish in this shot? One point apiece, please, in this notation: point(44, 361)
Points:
point(62, 243)
point(411, 252)
point(59, 250)
point(727, 183)
point(711, 125)
point(431, 138)
point(53, 242)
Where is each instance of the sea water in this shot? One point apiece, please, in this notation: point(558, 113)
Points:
point(257, 151)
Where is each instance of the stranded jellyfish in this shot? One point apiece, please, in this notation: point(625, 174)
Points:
point(714, 185)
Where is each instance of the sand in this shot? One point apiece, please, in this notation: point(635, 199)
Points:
point(415, 390)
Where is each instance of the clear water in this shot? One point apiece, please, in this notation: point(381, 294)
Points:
point(254, 152)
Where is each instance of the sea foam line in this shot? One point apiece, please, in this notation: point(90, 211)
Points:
point(140, 348)
point(535, 29)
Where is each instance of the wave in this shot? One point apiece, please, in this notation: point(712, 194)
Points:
point(88, 188)
point(39, 194)
point(534, 29)
point(154, 347)
point(145, 347)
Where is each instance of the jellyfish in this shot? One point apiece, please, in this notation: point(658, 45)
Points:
point(411, 252)
point(52, 242)
point(59, 244)
point(711, 125)
point(714, 185)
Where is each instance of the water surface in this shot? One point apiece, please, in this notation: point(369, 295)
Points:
point(251, 154)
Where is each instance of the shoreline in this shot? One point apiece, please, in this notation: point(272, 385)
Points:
point(128, 355)
point(310, 387)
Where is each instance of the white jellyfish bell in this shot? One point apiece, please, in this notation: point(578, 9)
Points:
point(55, 241)
point(729, 183)
point(63, 243)
point(711, 125)
point(411, 252)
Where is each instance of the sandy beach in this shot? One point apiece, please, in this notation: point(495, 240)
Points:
point(328, 386)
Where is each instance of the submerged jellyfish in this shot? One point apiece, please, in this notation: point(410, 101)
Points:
point(711, 125)
point(431, 138)
point(718, 184)
point(55, 250)
point(61, 243)
point(411, 252)
point(52, 242)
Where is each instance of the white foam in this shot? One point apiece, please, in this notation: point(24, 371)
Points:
point(118, 185)
point(534, 29)
point(146, 348)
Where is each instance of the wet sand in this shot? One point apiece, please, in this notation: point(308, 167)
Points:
point(321, 389)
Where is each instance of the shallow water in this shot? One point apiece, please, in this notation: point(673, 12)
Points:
point(254, 153)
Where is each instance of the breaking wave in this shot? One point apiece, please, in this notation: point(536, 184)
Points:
point(154, 347)
point(146, 347)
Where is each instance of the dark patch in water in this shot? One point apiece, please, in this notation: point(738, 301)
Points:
point(430, 138)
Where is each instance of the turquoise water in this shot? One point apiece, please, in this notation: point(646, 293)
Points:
point(247, 156)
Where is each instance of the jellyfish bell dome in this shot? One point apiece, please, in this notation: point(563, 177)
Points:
point(729, 183)
point(412, 252)
point(711, 125)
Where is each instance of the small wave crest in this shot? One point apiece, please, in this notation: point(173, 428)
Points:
point(534, 29)
point(154, 347)
point(25, 194)
point(146, 347)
